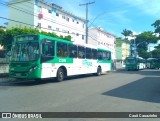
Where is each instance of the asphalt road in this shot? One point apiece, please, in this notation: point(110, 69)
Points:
point(121, 91)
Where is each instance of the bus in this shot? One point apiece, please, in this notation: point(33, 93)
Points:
point(153, 63)
point(36, 56)
point(135, 63)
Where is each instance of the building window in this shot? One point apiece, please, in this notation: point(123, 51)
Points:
point(67, 19)
point(82, 37)
point(49, 11)
point(57, 29)
point(77, 34)
point(57, 14)
point(77, 22)
point(72, 20)
point(83, 25)
point(38, 25)
point(63, 16)
point(39, 8)
point(49, 27)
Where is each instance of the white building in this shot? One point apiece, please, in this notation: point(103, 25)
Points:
point(46, 17)
point(103, 39)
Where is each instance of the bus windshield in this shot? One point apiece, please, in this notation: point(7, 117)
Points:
point(130, 61)
point(26, 51)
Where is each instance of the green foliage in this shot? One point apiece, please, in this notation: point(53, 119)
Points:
point(127, 33)
point(148, 37)
point(156, 25)
point(142, 41)
point(2, 34)
point(155, 53)
point(7, 37)
point(143, 53)
point(67, 37)
point(157, 47)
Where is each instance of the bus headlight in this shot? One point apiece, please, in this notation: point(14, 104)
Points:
point(32, 69)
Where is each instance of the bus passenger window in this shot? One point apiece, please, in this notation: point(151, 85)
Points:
point(62, 49)
point(72, 50)
point(47, 49)
point(81, 52)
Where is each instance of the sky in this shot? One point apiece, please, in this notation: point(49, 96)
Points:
point(112, 15)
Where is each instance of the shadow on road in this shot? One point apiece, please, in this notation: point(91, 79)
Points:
point(146, 89)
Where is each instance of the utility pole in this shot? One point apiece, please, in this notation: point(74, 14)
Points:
point(86, 4)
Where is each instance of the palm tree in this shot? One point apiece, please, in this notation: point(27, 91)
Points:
point(127, 33)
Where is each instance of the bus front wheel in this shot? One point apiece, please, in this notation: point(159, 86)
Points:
point(60, 75)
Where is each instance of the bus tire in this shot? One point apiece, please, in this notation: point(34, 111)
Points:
point(99, 71)
point(60, 75)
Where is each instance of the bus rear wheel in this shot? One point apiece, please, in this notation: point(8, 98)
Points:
point(60, 75)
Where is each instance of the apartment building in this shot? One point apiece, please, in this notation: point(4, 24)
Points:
point(101, 38)
point(47, 17)
point(125, 49)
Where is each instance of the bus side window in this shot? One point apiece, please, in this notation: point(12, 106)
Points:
point(72, 51)
point(81, 52)
point(62, 49)
point(94, 54)
point(99, 55)
point(88, 53)
point(48, 48)
point(108, 56)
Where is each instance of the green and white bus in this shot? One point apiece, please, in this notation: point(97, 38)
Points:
point(36, 56)
point(135, 63)
point(153, 63)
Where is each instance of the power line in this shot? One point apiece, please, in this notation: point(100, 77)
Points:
point(34, 25)
point(91, 36)
point(31, 24)
point(22, 10)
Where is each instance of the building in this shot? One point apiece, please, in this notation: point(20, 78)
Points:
point(125, 49)
point(3, 28)
point(122, 50)
point(103, 39)
point(47, 17)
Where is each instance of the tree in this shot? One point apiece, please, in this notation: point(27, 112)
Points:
point(143, 53)
point(156, 25)
point(127, 33)
point(7, 37)
point(2, 34)
point(142, 40)
point(155, 53)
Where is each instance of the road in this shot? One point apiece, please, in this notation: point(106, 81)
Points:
point(121, 91)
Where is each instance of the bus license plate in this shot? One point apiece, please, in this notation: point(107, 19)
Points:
point(18, 74)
